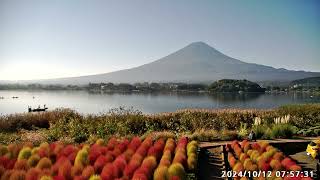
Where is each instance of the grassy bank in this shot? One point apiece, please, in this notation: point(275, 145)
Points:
point(200, 124)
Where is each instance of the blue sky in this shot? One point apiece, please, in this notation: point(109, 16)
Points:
point(63, 38)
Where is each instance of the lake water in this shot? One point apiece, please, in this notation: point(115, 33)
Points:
point(86, 102)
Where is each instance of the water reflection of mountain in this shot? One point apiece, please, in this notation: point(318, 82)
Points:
point(234, 97)
point(155, 93)
point(219, 97)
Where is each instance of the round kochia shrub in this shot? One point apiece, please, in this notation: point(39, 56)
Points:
point(33, 160)
point(176, 169)
point(192, 148)
point(88, 172)
point(25, 153)
point(161, 173)
point(82, 158)
point(18, 175)
point(33, 174)
point(44, 163)
point(192, 162)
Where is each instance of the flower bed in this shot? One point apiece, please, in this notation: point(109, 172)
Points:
point(117, 159)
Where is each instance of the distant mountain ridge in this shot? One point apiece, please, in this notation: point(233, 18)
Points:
point(197, 62)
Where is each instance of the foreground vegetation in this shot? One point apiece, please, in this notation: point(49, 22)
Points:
point(121, 159)
point(199, 124)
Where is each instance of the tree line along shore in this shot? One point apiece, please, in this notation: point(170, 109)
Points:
point(224, 85)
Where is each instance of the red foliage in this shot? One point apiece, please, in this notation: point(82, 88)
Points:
point(69, 149)
point(255, 146)
point(87, 172)
point(142, 151)
point(58, 163)
point(79, 178)
point(65, 169)
point(43, 152)
point(4, 160)
point(33, 174)
point(107, 171)
point(135, 143)
point(120, 162)
point(140, 177)
point(143, 170)
point(175, 178)
point(21, 165)
point(58, 178)
point(101, 161)
point(94, 153)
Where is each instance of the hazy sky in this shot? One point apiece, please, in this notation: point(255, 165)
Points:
point(60, 38)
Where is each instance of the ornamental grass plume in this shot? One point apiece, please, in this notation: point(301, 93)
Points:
point(282, 120)
point(257, 121)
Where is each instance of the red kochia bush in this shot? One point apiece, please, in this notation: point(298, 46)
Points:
point(94, 153)
point(65, 169)
point(140, 177)
point(135, 143)
point(59, 163)
point(143, 170)
point(107, 172)
point(101, 162)
point(7, 163)
point(112, 143)
point(69, 149)
point(58, 178)
point(123, 145)
point(120, 162)
point(87, 172)
point(79, 178)
point(134, 164)
point(142, 151)
point(4, 160)
point(33, 174)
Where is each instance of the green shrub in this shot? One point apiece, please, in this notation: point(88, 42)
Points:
point(206, 135)
point(260, 131)
point(316, 132)
point(243, 131)
point(282, 131)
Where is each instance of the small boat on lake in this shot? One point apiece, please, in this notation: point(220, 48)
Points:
point(39, 109)
point(15, 97)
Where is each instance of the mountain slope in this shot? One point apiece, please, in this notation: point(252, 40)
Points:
point(197, 62)
point(311, 82)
